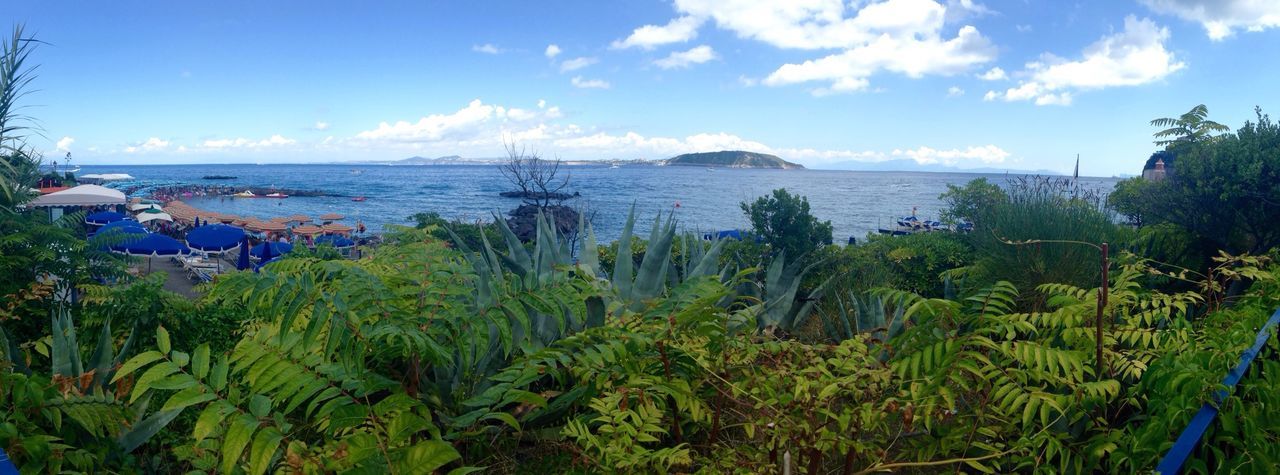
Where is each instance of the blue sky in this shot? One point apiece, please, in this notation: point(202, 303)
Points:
point(1005, 84)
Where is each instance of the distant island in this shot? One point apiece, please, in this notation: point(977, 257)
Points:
point(731, 159)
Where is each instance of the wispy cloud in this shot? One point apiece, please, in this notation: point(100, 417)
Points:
point(577, 63)
point(552, 51)
point(678, 30)
point(581, 83)
point(486, 49)
point(684, 59)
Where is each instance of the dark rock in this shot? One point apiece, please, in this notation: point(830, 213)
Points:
point(533, 195)
point(524, 220)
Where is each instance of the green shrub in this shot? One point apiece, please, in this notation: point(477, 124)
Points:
point(784, 222)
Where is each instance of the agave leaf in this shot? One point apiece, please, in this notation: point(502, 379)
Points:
point(622, 267)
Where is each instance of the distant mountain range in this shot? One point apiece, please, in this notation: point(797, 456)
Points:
point(905, 165)
point(725, 159)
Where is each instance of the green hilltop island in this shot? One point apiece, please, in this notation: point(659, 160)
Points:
point(731, 159)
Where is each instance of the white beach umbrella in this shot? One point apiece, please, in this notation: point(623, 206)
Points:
point(144, 217)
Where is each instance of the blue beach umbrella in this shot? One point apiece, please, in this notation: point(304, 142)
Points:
point(243, 262)
point(104, 217)
point(266, 250)
point(152, 245)
point(262, 264)
point(335, 241)
point(123, 226)
point(215, 238)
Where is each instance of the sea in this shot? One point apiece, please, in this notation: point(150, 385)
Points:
point(703, 200)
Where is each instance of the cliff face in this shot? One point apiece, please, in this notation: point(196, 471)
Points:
point(731, 159)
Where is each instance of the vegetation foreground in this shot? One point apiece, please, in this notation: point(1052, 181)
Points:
point(459, 348)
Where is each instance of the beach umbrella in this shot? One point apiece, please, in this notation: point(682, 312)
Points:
point(300, 218)
point(143, 206)
point(281, 219)
point(336, 228)
point(307, 230)
point(125, 227)
point(267, 250)
point(265, 262)
point(152, 215)
point(330, 217)
point(243, 262)
point(215, 238)
point(335, 241)
point(152, 245)
point(104, 217)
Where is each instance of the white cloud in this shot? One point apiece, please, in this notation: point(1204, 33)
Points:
point(1131, 57)
point(243, 143)
point(64, 144)
point(991, 96)
point(581, 83)
point(684, 59)
point(466, 124)
point(152, 144)
point(486, 49)
point(914, 57)
point(542, 103)
point(987, 154)
point(678, 30)
point(577, 63)
point(909, 37)
point(552, 51)
point(955, 91)
point(1023, 28)
point(1221, 18)
point(321, 126)
point(994, 74)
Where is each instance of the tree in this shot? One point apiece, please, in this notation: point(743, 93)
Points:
point(968, 202)
point(538, 181)
point(1227, 191)
point(1189, 128)
point(783, 221)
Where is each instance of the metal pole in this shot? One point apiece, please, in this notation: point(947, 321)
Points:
point(1102, 304)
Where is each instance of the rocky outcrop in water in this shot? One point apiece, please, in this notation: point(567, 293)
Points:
point(524, 220)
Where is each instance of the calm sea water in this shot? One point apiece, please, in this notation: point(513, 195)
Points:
point(855, 202)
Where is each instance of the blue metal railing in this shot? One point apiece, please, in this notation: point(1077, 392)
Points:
point(1190, 437)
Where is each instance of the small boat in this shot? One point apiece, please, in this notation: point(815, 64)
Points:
point(615, 166)
point(276, 195)
point(358, 198)
point(357, 171)
point(245, 194)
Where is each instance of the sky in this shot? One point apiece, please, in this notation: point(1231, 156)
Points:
point(1017, 84)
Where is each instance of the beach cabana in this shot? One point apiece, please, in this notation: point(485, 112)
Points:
point(268, 226)
point(215, 238)
point(300, 218)
point(103, 217)
point(266, 250)
point(83, 195)
point(335, 241)
point(331, 217)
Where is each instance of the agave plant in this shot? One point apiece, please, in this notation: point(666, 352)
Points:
point(79, 389)
point(780, 309)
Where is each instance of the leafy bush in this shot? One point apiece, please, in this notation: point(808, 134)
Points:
point(969, 202)
point(783, 221)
